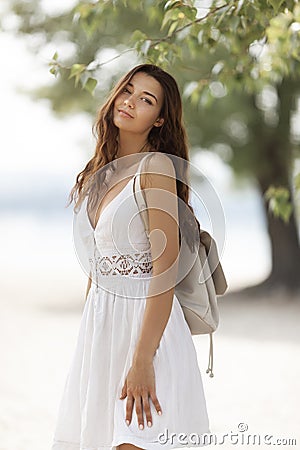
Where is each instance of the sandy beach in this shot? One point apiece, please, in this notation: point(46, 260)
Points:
point(256, 347)
point(256, 360)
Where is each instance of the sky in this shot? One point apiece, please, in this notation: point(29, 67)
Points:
point(37, 148)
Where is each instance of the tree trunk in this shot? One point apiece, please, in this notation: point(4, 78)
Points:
point(275, 168)
point(285, 249)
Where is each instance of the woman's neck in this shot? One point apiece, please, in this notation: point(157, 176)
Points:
point(129, 145)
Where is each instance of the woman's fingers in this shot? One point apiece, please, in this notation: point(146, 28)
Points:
point(139, 411)
point(156, 403)
point(141, 404)
point(146, 406)
point(124, 391)
point(129, 406)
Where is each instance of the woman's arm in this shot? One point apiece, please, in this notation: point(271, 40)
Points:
point(162, 207)
point(161, 198)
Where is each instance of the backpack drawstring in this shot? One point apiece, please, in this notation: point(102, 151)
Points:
point(210, 358)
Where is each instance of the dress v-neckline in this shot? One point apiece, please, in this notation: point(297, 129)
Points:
point(106, 206)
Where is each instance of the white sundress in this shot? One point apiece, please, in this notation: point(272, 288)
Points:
point(91, 416)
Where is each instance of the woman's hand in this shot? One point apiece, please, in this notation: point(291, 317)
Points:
point(139, 385)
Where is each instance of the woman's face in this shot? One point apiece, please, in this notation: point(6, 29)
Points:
point(137, 108)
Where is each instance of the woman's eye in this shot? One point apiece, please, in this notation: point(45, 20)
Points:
point(147, 100)
point(126, 90)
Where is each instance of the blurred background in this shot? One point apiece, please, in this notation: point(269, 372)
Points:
point(237, 65)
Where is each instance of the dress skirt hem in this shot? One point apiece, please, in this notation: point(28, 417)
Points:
point(61, 445)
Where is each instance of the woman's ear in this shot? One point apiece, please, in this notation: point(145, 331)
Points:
point(159, 122)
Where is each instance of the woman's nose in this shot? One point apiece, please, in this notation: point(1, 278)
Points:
point(129, 102)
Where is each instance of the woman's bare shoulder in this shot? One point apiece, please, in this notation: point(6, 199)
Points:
point(158, 163)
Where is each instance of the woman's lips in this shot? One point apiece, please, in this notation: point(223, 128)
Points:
point(125, 114)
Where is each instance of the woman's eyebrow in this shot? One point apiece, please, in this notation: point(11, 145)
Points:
point(145, 92)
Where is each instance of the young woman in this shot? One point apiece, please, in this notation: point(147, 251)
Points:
point(134, 381)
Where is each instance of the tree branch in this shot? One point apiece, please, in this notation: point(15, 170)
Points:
point(154, 41)
point(178, 30)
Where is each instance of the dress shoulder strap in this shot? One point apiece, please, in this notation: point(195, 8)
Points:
point(143, 159)
point(139, 194)
point(139, 170)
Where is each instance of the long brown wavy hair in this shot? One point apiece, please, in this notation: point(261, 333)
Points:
point(170, 138)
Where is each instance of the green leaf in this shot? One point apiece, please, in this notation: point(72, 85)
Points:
point(90, 85)
point(276, 4)
point(53, 70)
point(234, 23)
point(244, 22)
point(55, 56)
point(77, 69)
point(169, 16)
point(279, 203)
point(223, 13)
point(137, 36)
point(84, 10)
point(171, 4)
point(190, 13)
point(296, 12)
point(173, 27)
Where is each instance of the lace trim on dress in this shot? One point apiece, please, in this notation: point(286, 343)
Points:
point(131, 264)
